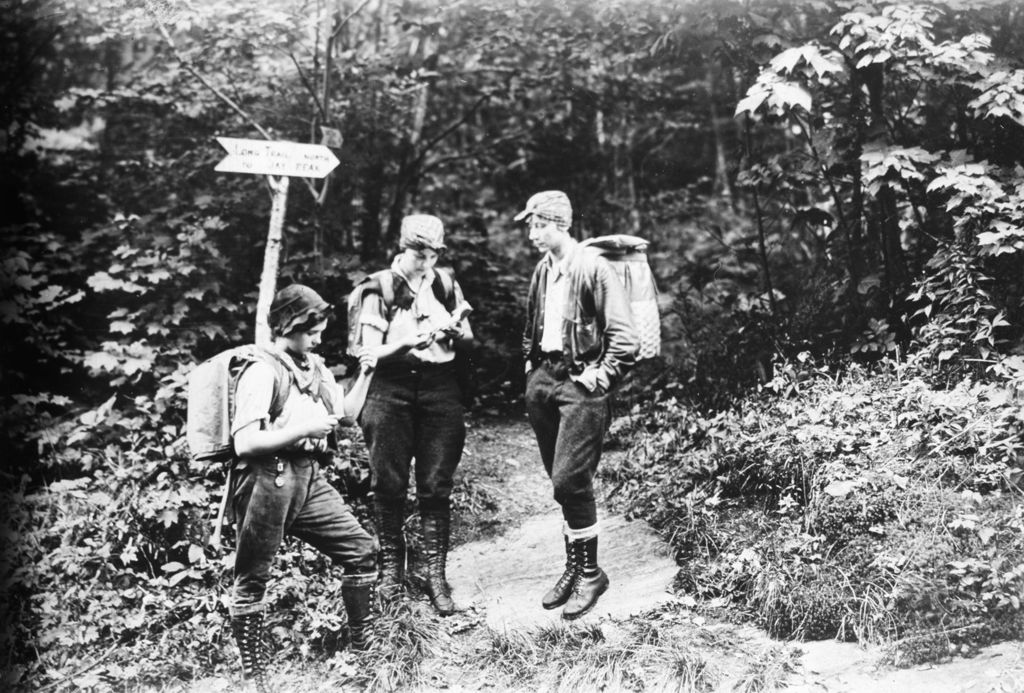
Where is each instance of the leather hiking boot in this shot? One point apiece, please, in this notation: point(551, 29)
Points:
point(561, 591)
point(248, 631)
point(389, 518)
point(591, 583)
point(357, 595)
point(436, 526)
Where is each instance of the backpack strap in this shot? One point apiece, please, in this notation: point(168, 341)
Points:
point(386, 278)
point(282, 381)
point(444, 288)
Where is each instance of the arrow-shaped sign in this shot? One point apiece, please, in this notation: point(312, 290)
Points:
point(270, 158)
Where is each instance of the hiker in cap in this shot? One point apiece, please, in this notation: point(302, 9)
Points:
point(414, 405)
point(578, 342)
point(277, 486)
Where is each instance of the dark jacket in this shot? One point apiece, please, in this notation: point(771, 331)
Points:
point(597, 328)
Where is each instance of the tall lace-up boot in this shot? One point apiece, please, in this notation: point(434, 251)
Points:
point(591, 582)
point(562, 589)
point(389, 518)
point(436, 527)
point(247, 628)
point(357, 594)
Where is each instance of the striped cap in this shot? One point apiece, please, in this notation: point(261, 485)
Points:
point(551, 204)
point(422, 231)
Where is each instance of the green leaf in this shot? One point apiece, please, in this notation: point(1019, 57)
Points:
point(788, 60)
point(790, 95)
point(752, 101)
point(96, 416)
point(49, 294)
point(101, 361)
point(196, 554)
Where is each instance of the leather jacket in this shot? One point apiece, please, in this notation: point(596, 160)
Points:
point(597, 327)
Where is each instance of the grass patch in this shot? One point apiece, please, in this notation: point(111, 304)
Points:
point(635, 656)
point(410, 634)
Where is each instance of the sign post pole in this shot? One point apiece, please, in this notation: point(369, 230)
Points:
point(279, 161)
point(271, 259)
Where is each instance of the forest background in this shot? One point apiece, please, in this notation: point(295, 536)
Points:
point(834, 196)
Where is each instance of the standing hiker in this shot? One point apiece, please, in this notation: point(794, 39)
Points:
point(578, 343)
point(278, 488)
point(414, 408)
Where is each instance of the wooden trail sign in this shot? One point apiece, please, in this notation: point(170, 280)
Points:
point(272, 158)
point(283, 160)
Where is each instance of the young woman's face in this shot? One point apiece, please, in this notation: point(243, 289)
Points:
point(307, 340)
point(416, 261)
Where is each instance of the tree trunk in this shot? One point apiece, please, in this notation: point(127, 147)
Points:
point(854, 237)
point(722, 188)
point(373, 198)
point(887, 219)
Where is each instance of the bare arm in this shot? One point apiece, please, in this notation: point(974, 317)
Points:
point(356, 395)
point(253, 441)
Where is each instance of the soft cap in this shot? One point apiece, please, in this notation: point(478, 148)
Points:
point(551, 204)
point(422, 231)
point(294, 304)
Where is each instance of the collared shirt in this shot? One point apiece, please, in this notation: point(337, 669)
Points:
point(554, 305)
point(425, 315)
point(254, 393)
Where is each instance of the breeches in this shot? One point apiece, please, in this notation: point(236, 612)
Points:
point(414, 412)
point(304, 506)
point(570, 424)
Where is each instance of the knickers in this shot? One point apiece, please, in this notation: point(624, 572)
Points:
point(570, 424)
point(304, 506)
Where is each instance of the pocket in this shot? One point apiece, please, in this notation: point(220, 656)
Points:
point(586, 338)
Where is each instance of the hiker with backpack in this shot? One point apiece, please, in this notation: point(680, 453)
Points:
point(413, 315)
point(578, 342)
point(276, 484)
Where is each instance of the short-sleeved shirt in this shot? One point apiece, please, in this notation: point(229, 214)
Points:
point(255, 391)
point(425, 315)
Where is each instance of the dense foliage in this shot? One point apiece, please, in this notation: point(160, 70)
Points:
point(839, 180)
point(867, 506)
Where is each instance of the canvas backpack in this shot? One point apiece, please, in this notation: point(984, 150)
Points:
point(628, 257)
point(211, 400)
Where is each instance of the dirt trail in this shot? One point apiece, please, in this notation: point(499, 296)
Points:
point(505, 576)
point(504, 573)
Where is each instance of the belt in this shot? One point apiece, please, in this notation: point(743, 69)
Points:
point(302, 455)
point(412, 366)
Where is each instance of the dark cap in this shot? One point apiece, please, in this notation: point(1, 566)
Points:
point(293, 305)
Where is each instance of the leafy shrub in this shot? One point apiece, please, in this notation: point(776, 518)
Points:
point(856, 505)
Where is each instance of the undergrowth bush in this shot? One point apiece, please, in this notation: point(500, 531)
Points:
point(863, 505)
point(110, 560)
